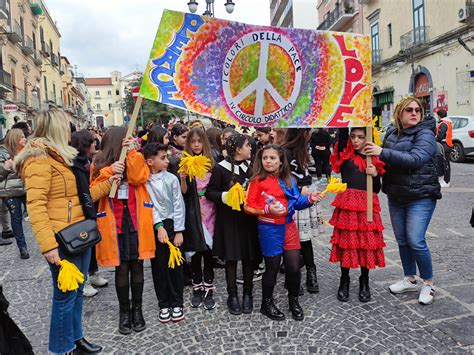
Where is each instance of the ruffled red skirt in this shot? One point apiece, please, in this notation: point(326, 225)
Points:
point(356, 242)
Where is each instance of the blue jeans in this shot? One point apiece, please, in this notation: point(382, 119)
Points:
point(66, 312)
point(14, 205)
point(410, 221)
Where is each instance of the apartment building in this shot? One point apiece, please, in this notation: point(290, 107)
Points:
point(20, 61)
point(423, 48)
point(293, 13)
point(106, 95)
point(338, 15)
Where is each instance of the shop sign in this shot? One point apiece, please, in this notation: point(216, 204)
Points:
point(441, 100)
point(10, 108)
point(422, 86)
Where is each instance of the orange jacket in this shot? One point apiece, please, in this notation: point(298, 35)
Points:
point(449, 131)
point(107, 251)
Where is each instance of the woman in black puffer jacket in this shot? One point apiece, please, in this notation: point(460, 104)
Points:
point(412, 186)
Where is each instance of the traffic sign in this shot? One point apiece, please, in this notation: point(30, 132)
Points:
point(10, 108)
point(135, 91)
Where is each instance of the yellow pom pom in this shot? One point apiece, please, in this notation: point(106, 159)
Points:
point(235, 197)
point(176, 258)
point(335, 186)
point(194, 166)
point(376, 133)
point(69, 276)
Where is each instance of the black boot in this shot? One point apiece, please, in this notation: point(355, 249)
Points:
point(343, 291)
point(312, 280)
point(247, 302)
point(138, 322)
point(84, 347)
point(364, 290)
point(233, 304)
point(295, 308)
point(269, 309)
point(125, 322)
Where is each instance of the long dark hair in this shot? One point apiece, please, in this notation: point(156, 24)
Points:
point(157, 134)
point(295, 142)
point(284, 173)
point(111, 148)
point(214, 135)
point(177, 130)
point(82, 141)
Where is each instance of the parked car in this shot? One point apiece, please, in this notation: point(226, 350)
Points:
point(463, 138)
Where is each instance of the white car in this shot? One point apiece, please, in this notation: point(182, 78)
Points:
point(463, 138)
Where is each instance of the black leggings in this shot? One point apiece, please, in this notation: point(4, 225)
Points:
point(231, 275)
point(307, 253)
point(364, 272)
point(129, 272)
point(197, 269)
point(291, 258)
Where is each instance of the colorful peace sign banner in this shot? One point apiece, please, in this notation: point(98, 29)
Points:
point(260, 76)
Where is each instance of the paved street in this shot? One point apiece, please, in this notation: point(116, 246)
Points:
point(388, 323)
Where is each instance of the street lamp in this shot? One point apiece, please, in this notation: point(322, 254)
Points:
point(193, 6)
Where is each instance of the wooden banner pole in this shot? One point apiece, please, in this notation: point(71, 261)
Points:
point(123, 153)
point(370, 186)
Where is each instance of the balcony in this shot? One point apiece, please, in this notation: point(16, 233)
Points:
point(5, 82)
point(61, 69)
point(19, 96)
point(54, 59)
point(27, 46)
point(16, 34)
point(37, 58)
point(45, 49)
point(34, 103)
point(376, 56)
point(339, 18)
point(4, 9)
point(415, 37)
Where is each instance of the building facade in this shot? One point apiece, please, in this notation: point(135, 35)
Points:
point(106, 95)
point(293, 13)
point(20, 62)
point(423, 48)
point(341, 16)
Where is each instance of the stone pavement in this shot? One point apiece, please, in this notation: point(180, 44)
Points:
point(395, 324)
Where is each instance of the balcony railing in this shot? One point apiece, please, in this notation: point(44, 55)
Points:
point(27, 46)
point(5, 81)
point(415, 37)
point(4, 9)
point(376, 56)
point(37, 58)
point(54, 59)
point(19, 96)
point(339, 17)
point(45, 49)
point(34, 102)
point(16, 34)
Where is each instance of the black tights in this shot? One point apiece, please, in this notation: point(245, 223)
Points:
point(129, 272)
point(231, 275)
point(364, 272)
point(307, 253)
point(291, 258)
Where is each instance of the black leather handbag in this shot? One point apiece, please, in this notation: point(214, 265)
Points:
point(79, 236)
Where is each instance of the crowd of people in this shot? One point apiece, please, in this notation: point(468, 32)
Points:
point(66, 177)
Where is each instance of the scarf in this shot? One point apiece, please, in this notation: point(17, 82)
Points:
point(80, 172)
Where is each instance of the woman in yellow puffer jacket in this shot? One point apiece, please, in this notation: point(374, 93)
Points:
point(53, 204)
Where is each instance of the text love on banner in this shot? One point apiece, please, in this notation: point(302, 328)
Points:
point(260, 76)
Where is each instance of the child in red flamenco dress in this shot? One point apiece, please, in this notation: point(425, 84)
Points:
point(356, 242)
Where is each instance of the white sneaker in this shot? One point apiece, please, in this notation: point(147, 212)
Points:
point(97, 280)
point(403, 286)
point(88, 290)
point(426, 294)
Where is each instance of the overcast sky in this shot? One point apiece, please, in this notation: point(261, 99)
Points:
point(106, 35)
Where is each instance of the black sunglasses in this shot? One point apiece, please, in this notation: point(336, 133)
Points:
point(410, 109)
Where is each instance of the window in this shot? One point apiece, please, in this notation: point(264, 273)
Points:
point(33, 36)
point(117, 92)
point(51, 47)
point(22, 27)
point(419, 35)
point(41, 35)
point(98, 107)
point(389, 30)
point(54, 92)
point(110, 107)
point(109, 93)
point(375, 42)
point(46, 88)
point(97, 93)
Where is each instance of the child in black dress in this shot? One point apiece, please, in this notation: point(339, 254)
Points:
point(235, 234)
